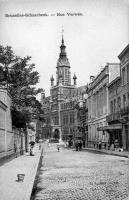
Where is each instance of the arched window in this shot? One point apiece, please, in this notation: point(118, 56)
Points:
point(111, 107)
point(124, 101)
point(119, 103)
point(114, 105)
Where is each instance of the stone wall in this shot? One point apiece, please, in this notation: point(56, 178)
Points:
point(6, 133)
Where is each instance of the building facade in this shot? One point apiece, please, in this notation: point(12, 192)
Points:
point(98, 106)
point(113, 119)
point(124, 65)
point(59, 107)
point(97, 109)
point(118, 118)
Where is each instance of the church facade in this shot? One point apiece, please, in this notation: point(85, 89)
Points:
point(61, 107)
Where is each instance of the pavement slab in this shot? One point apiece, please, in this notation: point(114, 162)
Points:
point(10, 188)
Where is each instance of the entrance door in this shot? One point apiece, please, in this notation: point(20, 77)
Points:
point(56, 134)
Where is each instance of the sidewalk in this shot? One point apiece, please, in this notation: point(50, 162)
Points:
point(10, 188)
point(114, 153)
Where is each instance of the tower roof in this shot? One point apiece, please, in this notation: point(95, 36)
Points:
point(74, 77)
point(63, 60)
point(52, 79)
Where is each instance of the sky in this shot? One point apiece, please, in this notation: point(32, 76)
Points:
point(92, 39)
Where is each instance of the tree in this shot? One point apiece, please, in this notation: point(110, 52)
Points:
point(19, 77)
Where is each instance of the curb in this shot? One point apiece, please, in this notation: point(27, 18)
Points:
point(34, 189)
point(105, 152)
point(32, 178)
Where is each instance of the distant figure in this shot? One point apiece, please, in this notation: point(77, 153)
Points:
point(39, 146)
point(48, 144)
point(76, 145)
point(58, 147)
point(15, 150)
point(67, 144)
point(83, 143)
point(99, 145)
point(31, 150)
point(80, 145)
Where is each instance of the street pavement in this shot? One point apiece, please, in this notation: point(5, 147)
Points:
point(10, 188)
point(84, 175)
point(109, 152)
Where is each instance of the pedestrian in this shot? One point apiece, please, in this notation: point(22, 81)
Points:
point(31, 150)
point(67, 144)
point(58, 147)
point(39, 146)
point(99, 145)
point(15, 150)
point(80, 145)
point(48, 143)
point(84, 143)
point(76, 145)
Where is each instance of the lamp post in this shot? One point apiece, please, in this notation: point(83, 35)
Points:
point(59, 108)
point(59, 114)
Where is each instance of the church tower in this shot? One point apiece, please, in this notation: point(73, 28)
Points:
point(63, 74)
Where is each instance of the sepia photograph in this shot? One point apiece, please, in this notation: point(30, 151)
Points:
point(64, 100)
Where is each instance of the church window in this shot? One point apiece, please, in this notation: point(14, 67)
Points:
point(72, 118)
point(124, 101)
point(66, 74)
point(56, 120)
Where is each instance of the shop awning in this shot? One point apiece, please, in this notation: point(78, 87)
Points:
point(110, 127)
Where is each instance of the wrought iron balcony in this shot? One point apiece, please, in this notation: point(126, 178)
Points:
point(124, 111)
point(113, 117)
point(117, 116)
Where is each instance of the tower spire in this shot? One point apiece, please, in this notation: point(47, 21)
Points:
point(63, 65)
point(62, 32)
point(62, 47)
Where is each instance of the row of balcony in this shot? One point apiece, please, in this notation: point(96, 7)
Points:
point(118, 116)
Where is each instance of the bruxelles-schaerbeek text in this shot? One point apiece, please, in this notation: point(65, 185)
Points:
point(58, 14)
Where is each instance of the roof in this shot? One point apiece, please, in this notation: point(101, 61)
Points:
point(126, 49)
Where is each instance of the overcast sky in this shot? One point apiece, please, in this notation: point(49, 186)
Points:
point(91, 40)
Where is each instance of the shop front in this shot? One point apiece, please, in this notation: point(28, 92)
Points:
point(115, 135)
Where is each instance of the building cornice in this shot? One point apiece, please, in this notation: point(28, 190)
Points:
point(2, 105)
point(104, 73)
point(113, 82)
point(126, 49)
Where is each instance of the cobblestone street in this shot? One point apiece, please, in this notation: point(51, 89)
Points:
point(81, 175)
